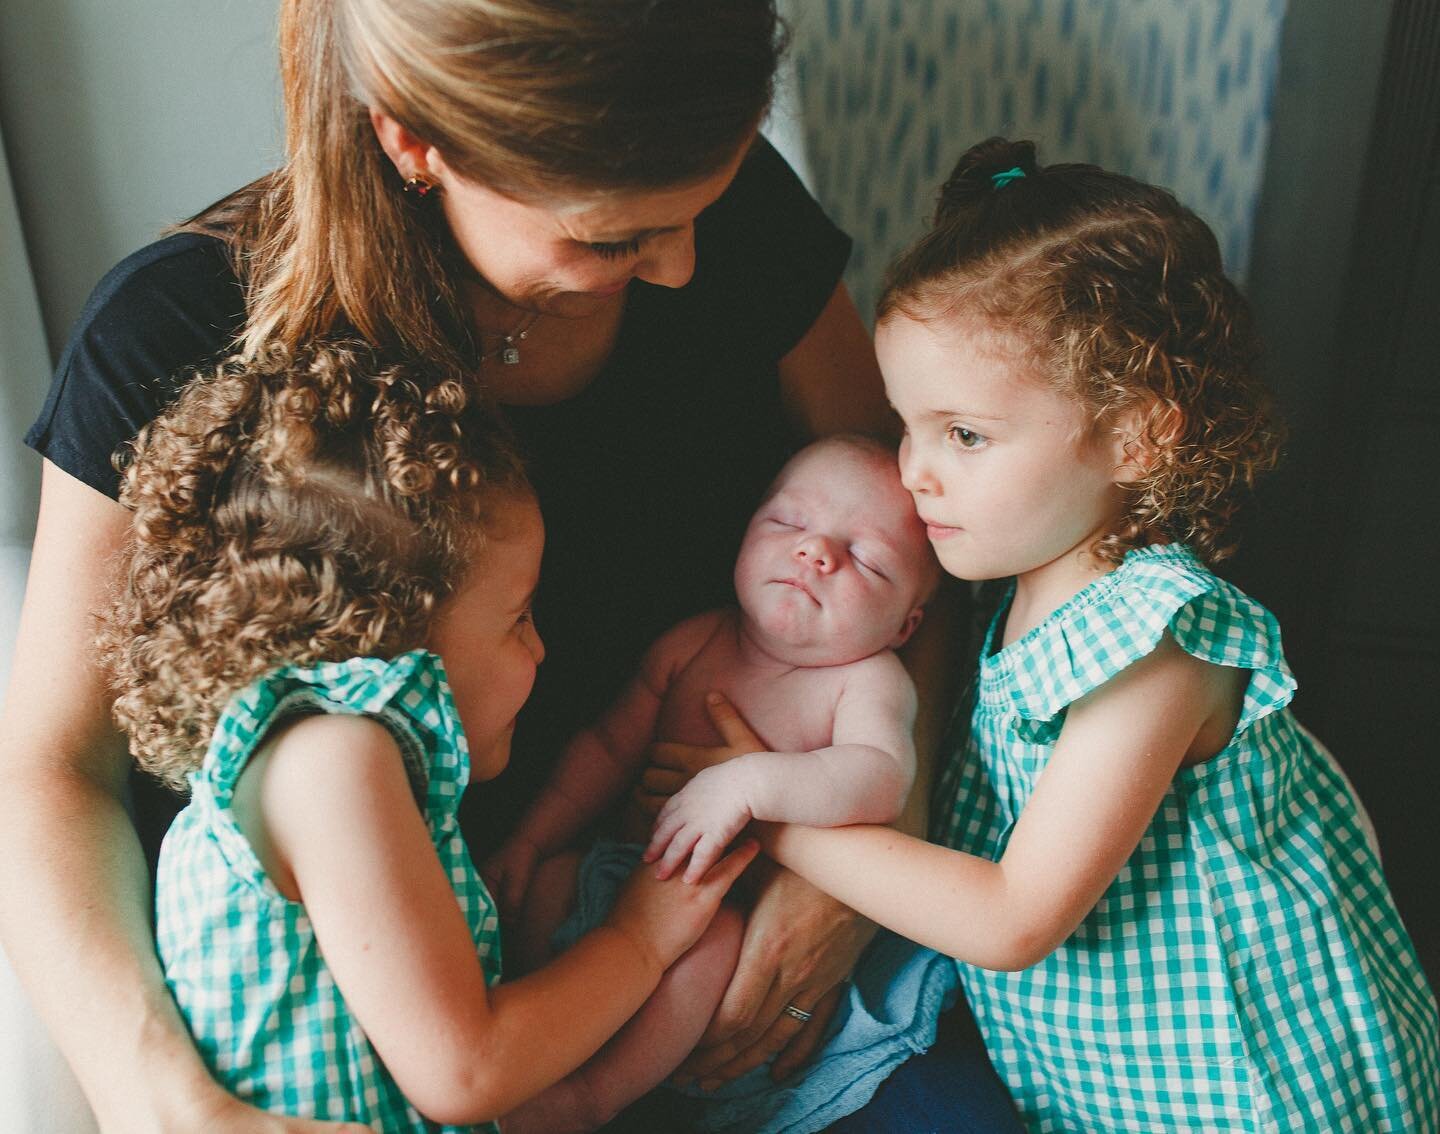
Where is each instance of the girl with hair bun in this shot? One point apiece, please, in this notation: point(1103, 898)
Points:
point(565, 210)
point(1158, 887)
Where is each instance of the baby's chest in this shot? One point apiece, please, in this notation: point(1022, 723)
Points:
point(793, 713)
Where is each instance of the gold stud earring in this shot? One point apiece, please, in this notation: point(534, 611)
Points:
point(419, 186)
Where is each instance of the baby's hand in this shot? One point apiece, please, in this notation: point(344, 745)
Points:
point(700, 820)
point(666, 917)
point(508, 871)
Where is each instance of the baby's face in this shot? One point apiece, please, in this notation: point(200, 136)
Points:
point(835, 563)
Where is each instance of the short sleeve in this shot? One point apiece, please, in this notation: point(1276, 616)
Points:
point(768, 258)
point(157, 315)
point(1123, 617)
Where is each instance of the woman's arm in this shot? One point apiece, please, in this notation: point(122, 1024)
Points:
point(393, 934)
point(1117, 754)
point(74, 889)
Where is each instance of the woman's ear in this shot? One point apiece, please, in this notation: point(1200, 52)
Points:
point(411, 155)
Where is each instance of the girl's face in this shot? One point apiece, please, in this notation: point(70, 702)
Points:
point(1008, 475)
point(485, 636)
point(569, 258)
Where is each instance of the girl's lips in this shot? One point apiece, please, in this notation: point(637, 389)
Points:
point(939, 531)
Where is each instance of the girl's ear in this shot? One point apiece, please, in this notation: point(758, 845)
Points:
point(1138, 433)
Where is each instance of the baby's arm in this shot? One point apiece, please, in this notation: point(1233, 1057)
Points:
point(597, 764)
point(863, 776)
point(1117, 754)
point(394, 937)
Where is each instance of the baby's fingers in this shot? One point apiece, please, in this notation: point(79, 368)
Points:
point(680, 846)
point(703, 857)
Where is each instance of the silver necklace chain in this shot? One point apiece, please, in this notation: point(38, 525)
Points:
point(508, 352)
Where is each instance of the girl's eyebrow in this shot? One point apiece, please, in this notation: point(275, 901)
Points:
point(968, 415)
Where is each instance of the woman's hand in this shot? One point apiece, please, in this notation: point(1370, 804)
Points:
point(800, 944)
point(669, 767)
point(231, 1116)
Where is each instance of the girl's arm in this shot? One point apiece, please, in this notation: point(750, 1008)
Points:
point(596, 766)
point(344, 836)
point(864, 776)
point(1117, 754)
point(74, 889)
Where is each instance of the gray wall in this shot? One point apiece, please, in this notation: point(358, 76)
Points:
point(120, 118)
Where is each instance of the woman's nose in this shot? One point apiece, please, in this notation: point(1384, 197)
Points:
point(820, 553)
point(668, 260)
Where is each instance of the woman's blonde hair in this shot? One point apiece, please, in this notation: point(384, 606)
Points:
point(528, 97)
point(293, 509)
point(1115, 292)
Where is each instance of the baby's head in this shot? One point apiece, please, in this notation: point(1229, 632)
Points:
point(834, 565)
point(1109, 293)
point(298, 510)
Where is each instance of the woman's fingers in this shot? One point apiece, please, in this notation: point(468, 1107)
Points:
point(737, 733)
point(806, 1042)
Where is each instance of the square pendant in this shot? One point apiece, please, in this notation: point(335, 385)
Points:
point(510, 356)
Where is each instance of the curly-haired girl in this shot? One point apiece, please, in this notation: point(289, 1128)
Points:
point(1158, 886)
point(325, 631)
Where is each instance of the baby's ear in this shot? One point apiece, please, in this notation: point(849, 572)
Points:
point(912, 621)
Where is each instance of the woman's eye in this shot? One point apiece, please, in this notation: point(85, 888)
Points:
point(615, 250)
point(965, 438)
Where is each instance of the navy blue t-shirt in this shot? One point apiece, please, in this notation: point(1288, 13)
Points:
point(646, 478)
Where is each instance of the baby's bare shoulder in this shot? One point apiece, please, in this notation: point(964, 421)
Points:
point(679, 646)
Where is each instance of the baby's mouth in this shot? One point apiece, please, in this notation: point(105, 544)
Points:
point(799, 586)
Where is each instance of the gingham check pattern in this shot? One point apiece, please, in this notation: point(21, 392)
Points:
point(1247, 969)
point(242, 960)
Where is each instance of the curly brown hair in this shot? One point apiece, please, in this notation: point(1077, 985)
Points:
point(1117, 295)
point(294, 509)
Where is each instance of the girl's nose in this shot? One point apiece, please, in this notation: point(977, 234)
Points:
point(915, 472)
point(537, 644)
point(822, 554)
point(668, 260)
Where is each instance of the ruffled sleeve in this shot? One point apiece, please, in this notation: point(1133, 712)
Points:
point(410, 695)
point(1120, 619)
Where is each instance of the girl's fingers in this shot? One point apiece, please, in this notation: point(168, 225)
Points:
point(732, 725)
point(728, 869)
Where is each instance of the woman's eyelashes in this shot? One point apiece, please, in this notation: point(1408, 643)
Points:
point(615, 250)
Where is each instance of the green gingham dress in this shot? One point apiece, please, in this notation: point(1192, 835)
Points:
point(1247, 969)
point(242, 960)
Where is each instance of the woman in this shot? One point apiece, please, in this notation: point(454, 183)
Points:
point(567, 204)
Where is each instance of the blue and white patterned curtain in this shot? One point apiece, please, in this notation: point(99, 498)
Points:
point(890, 92)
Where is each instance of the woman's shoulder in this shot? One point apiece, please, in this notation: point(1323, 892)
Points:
point(154, 317)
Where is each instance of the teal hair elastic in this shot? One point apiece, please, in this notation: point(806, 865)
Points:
point(1000, 180)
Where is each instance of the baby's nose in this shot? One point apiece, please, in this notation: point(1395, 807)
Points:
point(823, 554)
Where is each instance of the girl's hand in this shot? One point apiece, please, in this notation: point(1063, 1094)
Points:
point(508, 872)
point(666, 917)
point(700, 821)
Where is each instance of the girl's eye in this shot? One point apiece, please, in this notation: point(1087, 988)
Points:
point(524, 618)
point(616, 250)
point(965, 438)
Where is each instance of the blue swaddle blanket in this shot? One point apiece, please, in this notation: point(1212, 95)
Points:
point(890, 1012)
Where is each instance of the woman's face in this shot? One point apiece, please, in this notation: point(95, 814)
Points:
point(567, 258)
